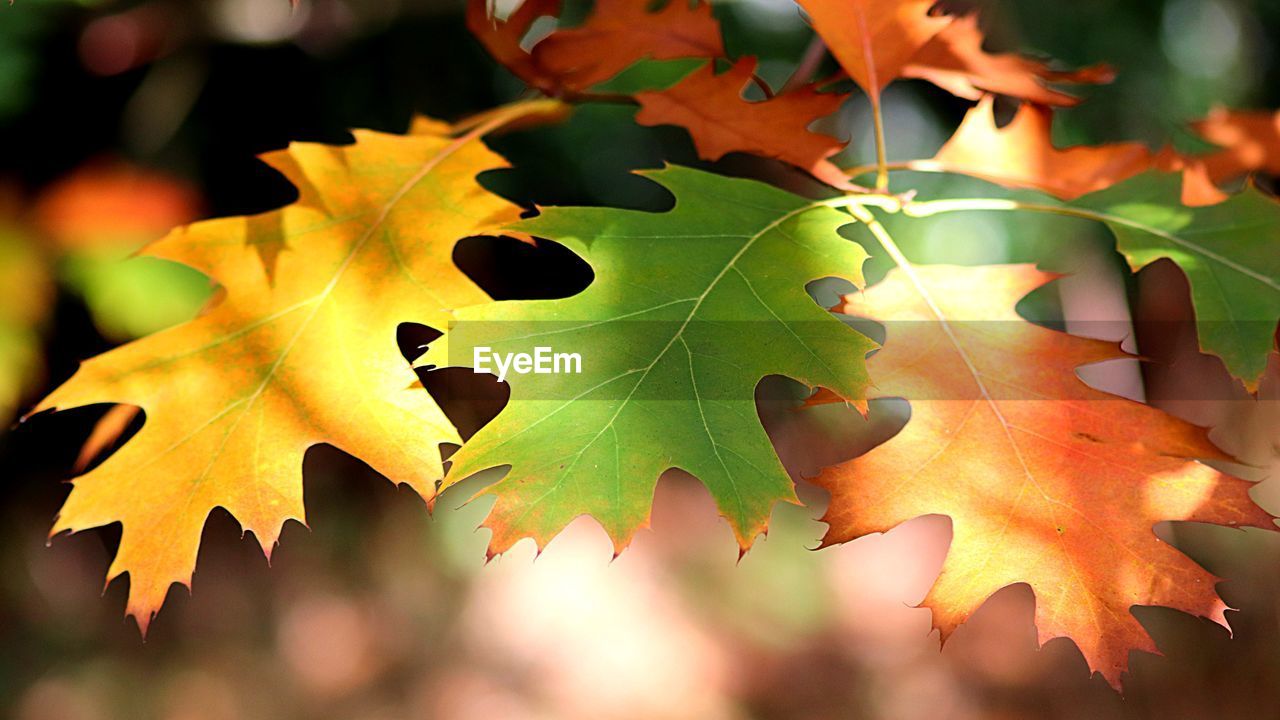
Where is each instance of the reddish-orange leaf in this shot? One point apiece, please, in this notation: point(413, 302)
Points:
point(955, 61)
point(1022, 155)
point(874, 39)
point(1250, 142)
point(620, 33)
point(1046, 481)
point(712, 109)
point(503, 38)
point(1198, 187)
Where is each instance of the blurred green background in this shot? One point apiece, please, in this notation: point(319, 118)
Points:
point(121, 119)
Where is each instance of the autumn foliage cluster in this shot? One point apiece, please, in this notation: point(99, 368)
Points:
point(1046, 480)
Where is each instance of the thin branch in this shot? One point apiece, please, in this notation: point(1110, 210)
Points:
point(882, 164)
point(873, 88)
point(916, 165)
point(496, 119)
point(764, 86)
point(809, 64)
point(888, 203)
point(615, 98)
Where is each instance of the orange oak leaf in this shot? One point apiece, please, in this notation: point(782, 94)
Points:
point(502, 38)
point(620, 33)
point(1046, 481)
point(1198, 186)
point(1022, 155)
point(874, 40)
point(955, 61)
point(301, 349)
point(721, 121)
point(1250, 142)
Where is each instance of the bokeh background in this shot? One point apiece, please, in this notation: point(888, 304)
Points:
point(121, 119)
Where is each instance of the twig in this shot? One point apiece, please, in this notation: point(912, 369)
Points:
point(809, 63)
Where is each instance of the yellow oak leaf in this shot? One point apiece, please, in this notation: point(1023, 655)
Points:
point(301, 349)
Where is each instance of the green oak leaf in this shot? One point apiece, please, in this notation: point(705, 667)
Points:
point(688, 311)
point(1230, 253)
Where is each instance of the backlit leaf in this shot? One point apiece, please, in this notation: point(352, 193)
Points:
point(1046, 481)
point(689, 310)
point(712, 109)
point(1229, 251)
point(301, 349)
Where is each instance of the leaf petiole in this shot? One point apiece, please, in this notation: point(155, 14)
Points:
point(929, 208)
point(888, 203)
point(809, 63)
point(882, 163)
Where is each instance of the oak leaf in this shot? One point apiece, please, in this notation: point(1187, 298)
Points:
point(879, 41)
point(1046, 481)
point(503, 39)
point(1249, 141)
point(688, 311)
point(301, 350)
point(873, 40)
point(1228, 252)
point(955, 61)
point(721, 121)
point(620, 33)
point(1021, 154)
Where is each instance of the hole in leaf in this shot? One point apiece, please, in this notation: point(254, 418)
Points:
point(413, 338)
point(508, 269)
point(469, 399)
